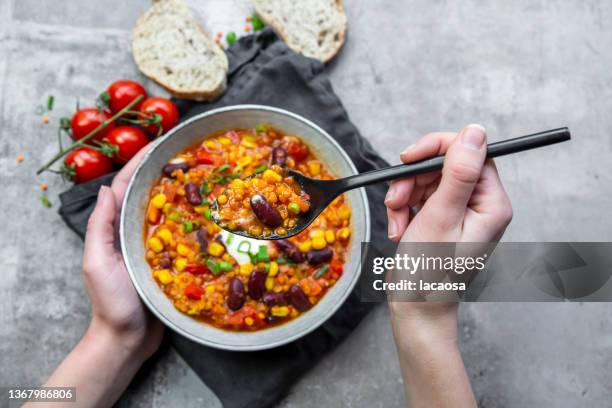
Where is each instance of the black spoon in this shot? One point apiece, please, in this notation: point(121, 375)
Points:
point(323, 192)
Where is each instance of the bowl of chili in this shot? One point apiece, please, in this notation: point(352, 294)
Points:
point(185, 270)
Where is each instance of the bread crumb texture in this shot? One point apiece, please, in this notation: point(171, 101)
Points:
point(170, 47)
point(314, 28)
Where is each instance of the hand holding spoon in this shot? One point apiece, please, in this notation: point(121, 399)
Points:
point(322, 192)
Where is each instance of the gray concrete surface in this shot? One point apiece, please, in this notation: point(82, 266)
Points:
point(408, 67)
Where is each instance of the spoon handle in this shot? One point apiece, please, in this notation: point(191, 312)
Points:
point(497, 149)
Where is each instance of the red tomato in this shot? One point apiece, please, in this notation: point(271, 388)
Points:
point(121, 93)
point(299, 151)
point(86, 120)
point(163, 107)
point(193, 292)
point(129, 140)
point(87, 164)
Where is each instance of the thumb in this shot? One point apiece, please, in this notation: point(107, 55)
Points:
point(463, 165)
point(100, 235)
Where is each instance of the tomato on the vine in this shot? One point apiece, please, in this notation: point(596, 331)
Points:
point(121, 93)
point(86, 120)
point(167, 111)
point(85, 164)
point(128, 140)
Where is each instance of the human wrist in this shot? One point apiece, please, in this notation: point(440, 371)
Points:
point(126, 345)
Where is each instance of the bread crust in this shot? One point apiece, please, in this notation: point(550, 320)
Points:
point(284, 34)
point(195, 94)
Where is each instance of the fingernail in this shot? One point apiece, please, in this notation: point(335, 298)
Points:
point(392, 232)
point(406, 150)
point(390, 194)
point(473, 136)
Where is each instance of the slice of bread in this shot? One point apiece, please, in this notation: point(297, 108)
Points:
point(314, 28)
point(170, 47)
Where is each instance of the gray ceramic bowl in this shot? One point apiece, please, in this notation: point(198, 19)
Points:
point(149, 170)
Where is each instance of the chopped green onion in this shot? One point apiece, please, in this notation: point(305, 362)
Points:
point(50, 100)
point(283, 260)
point(260, 168)
point(257, 22)
point(205, 188)
point(188, 226)
point(221, 169)
point(267, 266)
point(207, 214)
point(214, 267)
point(174, 216)
point(321, 271)
point(230, 38)
point(225, 266)
point(237, 170)
point(230, 238)
point(261, 128)
point(262, 254)
point(45, 201)
point(294, 208)
point(240, 250)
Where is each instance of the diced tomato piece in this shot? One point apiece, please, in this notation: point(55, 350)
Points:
point(337, 268)
point(170, 191)
point(299, 151)
point(197, 269)
point(194, 292)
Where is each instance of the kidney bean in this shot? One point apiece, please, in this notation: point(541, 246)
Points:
point(290, 250)
point(202, 237)
point(279, 156)
point(165, 262)
point(273, 319)
point(316, 257)
point(257, 284)
point(265, 212)
point(274, 299)
point(192, 193)
point(236, 296)
point(172, 167)
point(298, 298)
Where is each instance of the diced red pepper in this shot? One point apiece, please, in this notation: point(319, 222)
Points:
point(170, 191)
point(197, 269)
point(204, 157)
point(193, 292)
point(299, 151)
point(337, 268)
point(235, 318)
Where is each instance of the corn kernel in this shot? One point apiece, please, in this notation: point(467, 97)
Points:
point(210, 144)
point(244, 161)
point(279, 311)
point(271, 176)
point(317, 233)
point(200, 210)
point(159, 200)
point(249, 321)
point(165, 235)
point(155, 244)
point(225, 141)
point(305, 246)
point(330, 237)
point(246, 269)
point(182, 249)
point(344, 233)
point(210, 289)
point(269, 283)
point(163, 276)
point(314, 168)
point(180, 264)
point(294, 313)
point(344, 212)
point(248, 141)
point(318, 243)
point(273, 269)
point(237, 183)
point(222, 199)
point(215, 249)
